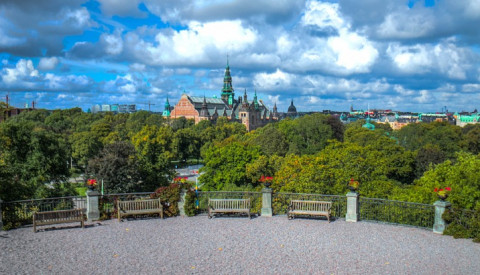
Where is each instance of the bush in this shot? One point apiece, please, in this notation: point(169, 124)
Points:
point(189, 206)
point(462, 223)
point(169, 195)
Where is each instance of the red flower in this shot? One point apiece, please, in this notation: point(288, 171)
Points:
point(448, 188)
point(435, 190)
point(91, 182)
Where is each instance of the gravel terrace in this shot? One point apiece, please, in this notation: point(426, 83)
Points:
point(234, 245)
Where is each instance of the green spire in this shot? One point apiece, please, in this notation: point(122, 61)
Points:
point(166, 111)
point(227, 89)
point(255, 101)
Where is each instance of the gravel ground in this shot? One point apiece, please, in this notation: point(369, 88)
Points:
point(234, 245)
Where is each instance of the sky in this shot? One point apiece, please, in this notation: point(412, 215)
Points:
point(404, 55)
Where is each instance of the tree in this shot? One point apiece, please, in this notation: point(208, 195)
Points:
point(271, 140)
point(226, 166)
point(117, 165)
point(308, 134)
point(33, 162)
point(154, 147)
point(426, 157)
point(461, 175)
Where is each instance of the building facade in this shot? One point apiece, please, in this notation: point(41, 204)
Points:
point(251, 113)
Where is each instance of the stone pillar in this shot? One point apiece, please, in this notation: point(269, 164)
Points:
point(181, 202)
point(93, 214)
point(1, 221)
point(440, 207)
point(267, 202)
point(352, 207)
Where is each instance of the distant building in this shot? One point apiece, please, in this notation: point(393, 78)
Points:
point(466, 118)
point(105, 107)
point(116, 108)
point(252, 113)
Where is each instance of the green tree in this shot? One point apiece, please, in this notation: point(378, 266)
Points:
point(33, 160)
point(154, 147)
point(226, 166)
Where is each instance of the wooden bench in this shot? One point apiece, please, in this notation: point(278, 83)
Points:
point(57, 217)
point(139, 207)
point(310, 208)
point(228, 206)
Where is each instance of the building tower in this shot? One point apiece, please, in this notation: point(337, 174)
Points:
point(227, 91)
point(204, 115)
point(292, 110)
point(166, 111)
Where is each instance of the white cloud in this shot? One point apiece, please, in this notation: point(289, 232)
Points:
point(446, 58)
point(113, 43)
point(275, 81)
point(47, 63)
point(323, 16)
point(471, 88)
point(194, 44)
point(23, 71)
point(406, 24)
point(354, 52)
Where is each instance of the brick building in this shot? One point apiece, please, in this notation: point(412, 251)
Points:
point(252, 113)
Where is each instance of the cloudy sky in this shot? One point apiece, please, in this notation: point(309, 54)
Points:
point(396, 54)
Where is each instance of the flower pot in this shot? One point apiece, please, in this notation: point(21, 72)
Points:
point(442, 197)
point(267, 184)
point(352, 188)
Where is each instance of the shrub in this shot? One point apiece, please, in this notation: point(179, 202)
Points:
point(462, 223)
point(169, 195)
point(189, 206)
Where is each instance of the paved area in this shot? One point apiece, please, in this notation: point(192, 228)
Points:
point(234, 245)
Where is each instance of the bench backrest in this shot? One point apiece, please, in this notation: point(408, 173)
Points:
point(229, 203)
point(139, 205)
point(320, 206)
point(59, 215)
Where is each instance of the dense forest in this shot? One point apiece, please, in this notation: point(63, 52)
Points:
point(40, 150)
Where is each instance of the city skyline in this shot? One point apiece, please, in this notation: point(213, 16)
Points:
point(400, 55)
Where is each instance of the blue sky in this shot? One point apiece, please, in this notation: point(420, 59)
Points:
point(403, 55)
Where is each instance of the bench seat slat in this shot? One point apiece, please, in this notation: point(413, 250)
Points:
point(139, 207)
point(57, 217)
point(309, 207)
point(228, 206)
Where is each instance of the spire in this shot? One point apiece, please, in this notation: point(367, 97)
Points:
point(255, 101)
point(204, 110)
point(275, 107)
point(166, 111)
point(227, 89)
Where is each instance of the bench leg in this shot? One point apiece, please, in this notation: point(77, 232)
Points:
point(249, 215)
point(209, 213)
point(328, 217)
point(34, 228)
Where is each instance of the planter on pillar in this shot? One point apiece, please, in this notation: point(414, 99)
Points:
point(440, 207)
point(93, 213)
point(267, 202)
point(352, 207)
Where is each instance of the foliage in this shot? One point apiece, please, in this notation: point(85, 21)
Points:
point(462, 224)
point(169, 196)
point(117, 166)
point(189, 206)
point(462, 175)
point(225, 166)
